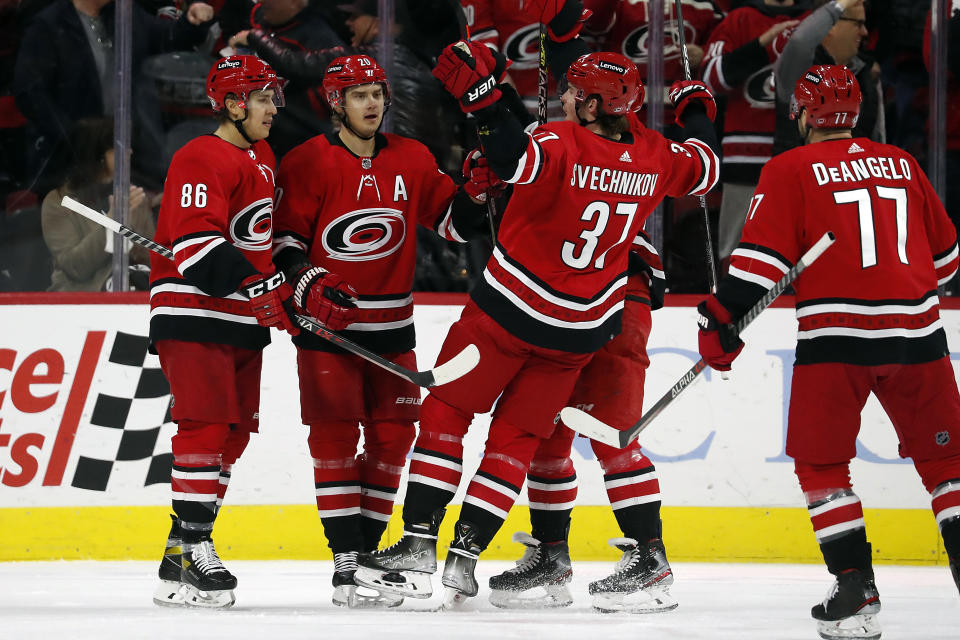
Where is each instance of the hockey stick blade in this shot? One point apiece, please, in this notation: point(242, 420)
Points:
point(456, 367)
point(585, 424)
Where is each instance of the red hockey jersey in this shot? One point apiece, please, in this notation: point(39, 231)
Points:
point(746, 78)
point(216, 215)
point(557, 275)
point(357, 217)
point(504, 25)
point(872, 297)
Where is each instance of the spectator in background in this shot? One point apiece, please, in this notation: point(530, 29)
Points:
point(623, 27)
point(832, 34)
point(739, 65)
point(82, 250)
point(64, 71)
point(282, 33)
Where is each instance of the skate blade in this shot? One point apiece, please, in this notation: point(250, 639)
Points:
point(409, 584)
point(194, 597)
point(860, 627)
point(168, 594)
point(544, 597)
point(349, 596)
point(453, 600)
point(643, 601)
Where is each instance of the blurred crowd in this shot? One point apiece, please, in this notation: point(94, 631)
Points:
point(57, 97)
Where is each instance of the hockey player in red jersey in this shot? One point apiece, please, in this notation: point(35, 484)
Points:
point(551, 295)
point(350, 203)
point(610, 388)
point(210, 312)
point(869, 322)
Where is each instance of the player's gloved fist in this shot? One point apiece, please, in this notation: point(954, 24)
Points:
point(564, 18)
point(719, 343)
point(271, 300)
point(685, 92)
point(465, 75)
point(326, 297)
point(481, 180)
point(494, 60)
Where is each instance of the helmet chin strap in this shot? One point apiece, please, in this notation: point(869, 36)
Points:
point(346, 122)
point(239, 123)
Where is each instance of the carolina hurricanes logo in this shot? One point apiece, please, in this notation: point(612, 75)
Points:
point(635, 45)
point(758, 90)
point(523, 47)
point(365, 234)
point(252, 227)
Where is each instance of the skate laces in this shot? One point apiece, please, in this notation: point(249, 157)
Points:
point(345, 562)
point(530, 559)
point(206, 559)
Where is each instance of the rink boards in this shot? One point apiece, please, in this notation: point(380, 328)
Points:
point(85, 448)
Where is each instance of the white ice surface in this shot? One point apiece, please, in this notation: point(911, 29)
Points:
point(288, 599)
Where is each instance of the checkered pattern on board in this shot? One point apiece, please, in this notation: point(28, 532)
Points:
point(126, 441)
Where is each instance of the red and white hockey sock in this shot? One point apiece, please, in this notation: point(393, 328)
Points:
point(233, 448)
point(195, 477)
point(336, 480)
point(633, 490)
point(378, 492)
point(552, 493)
point(495, 487)
point(837, 514)
point(436, 465)
point(946, 508)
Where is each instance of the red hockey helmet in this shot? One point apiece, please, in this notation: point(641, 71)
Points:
point(241, 76)
point(831, 96)
point(353, 71)
point(613, 76)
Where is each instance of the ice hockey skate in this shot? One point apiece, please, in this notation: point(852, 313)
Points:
point(458, 579)
point(850, 608)
point(346, 592)
point(169, 593)
point(640, 582)
point(206, 582)
point(405, 567)
point(539, 581)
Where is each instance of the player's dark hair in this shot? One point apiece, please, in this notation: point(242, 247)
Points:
point(612, 125)
point(90, 139)
point(224, 114)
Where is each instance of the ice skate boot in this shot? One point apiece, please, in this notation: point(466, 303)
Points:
point(955, 571)
point(458, 579)
point(206, 582)
point(850, 608)
point(345, 590)
point(403, 568)
point(169, 593)
point(640, 582)
point(539, 581)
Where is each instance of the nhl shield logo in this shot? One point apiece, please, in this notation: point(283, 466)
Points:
point(942, 438)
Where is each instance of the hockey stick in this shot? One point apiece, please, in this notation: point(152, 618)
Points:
point(587, 425)
point(455, 367)
point(465, 35)
point(711, 260)
point(542, 79)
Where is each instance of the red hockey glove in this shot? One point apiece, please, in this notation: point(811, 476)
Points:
point(481, 180)
point(564, 18)
point(718, 340)
point(326, 297)
point(466, 77)
point(495, 61)
point(683, 92)
point(271, 300)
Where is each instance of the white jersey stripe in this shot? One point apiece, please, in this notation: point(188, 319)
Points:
point(202, 313)
point(868, 310)
point(871, 333)
point(199, 255)
point(766, 283)
point(762, 257)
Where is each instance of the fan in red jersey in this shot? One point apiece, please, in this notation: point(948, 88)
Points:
point(350, 204)
point(210, 312)
point(869, 322)
point(552, 293)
